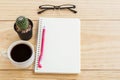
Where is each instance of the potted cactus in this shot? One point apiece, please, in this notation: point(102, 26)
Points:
point(23, 26)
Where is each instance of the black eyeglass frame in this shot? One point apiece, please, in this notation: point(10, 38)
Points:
point(64, 6)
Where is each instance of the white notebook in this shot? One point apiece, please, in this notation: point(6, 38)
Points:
point(61, 52)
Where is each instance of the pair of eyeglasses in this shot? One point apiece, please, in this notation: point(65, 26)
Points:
point(44, 8)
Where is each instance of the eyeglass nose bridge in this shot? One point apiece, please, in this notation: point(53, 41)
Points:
point(56, 7)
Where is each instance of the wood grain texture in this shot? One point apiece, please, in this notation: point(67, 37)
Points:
point(85, 75)
point(87, 9)
point(100, 43)
point(9, 36)
point(30, 75)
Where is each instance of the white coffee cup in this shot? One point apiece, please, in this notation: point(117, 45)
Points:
point(27, 62)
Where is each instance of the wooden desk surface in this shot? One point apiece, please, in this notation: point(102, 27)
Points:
point(100, 37)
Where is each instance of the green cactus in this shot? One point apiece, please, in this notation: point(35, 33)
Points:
point(22, 22)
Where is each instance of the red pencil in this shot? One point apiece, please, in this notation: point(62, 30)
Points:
point(42, 48)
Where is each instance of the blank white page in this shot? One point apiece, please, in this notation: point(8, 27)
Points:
point(61, 47)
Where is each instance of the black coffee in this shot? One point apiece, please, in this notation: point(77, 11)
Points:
point(21, 52)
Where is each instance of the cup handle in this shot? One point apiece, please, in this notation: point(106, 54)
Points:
point(4, 53)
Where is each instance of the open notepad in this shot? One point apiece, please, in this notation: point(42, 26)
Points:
point(61, 53)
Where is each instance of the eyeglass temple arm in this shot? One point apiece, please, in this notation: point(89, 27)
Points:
point(72, 10)
point(42, 11)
